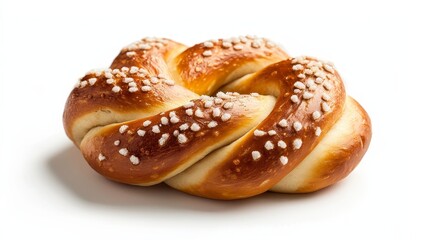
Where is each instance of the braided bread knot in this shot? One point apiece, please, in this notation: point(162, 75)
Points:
point(224, 119)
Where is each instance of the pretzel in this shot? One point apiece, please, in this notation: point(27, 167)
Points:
point(224, 119)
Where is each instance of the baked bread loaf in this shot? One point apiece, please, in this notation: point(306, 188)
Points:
point(224, 119)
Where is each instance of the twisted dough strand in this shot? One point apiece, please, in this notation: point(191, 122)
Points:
point(284, 124)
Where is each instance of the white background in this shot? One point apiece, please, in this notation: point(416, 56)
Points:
point(49, 192)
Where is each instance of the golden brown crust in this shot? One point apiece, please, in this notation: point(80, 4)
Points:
point(111, 91)
point(339, 152)
point(238, 169)
point(205, 67)
point(141, 121)
point(85, 101)
point(341, 161)
point(158, 158)
point(152, 54)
